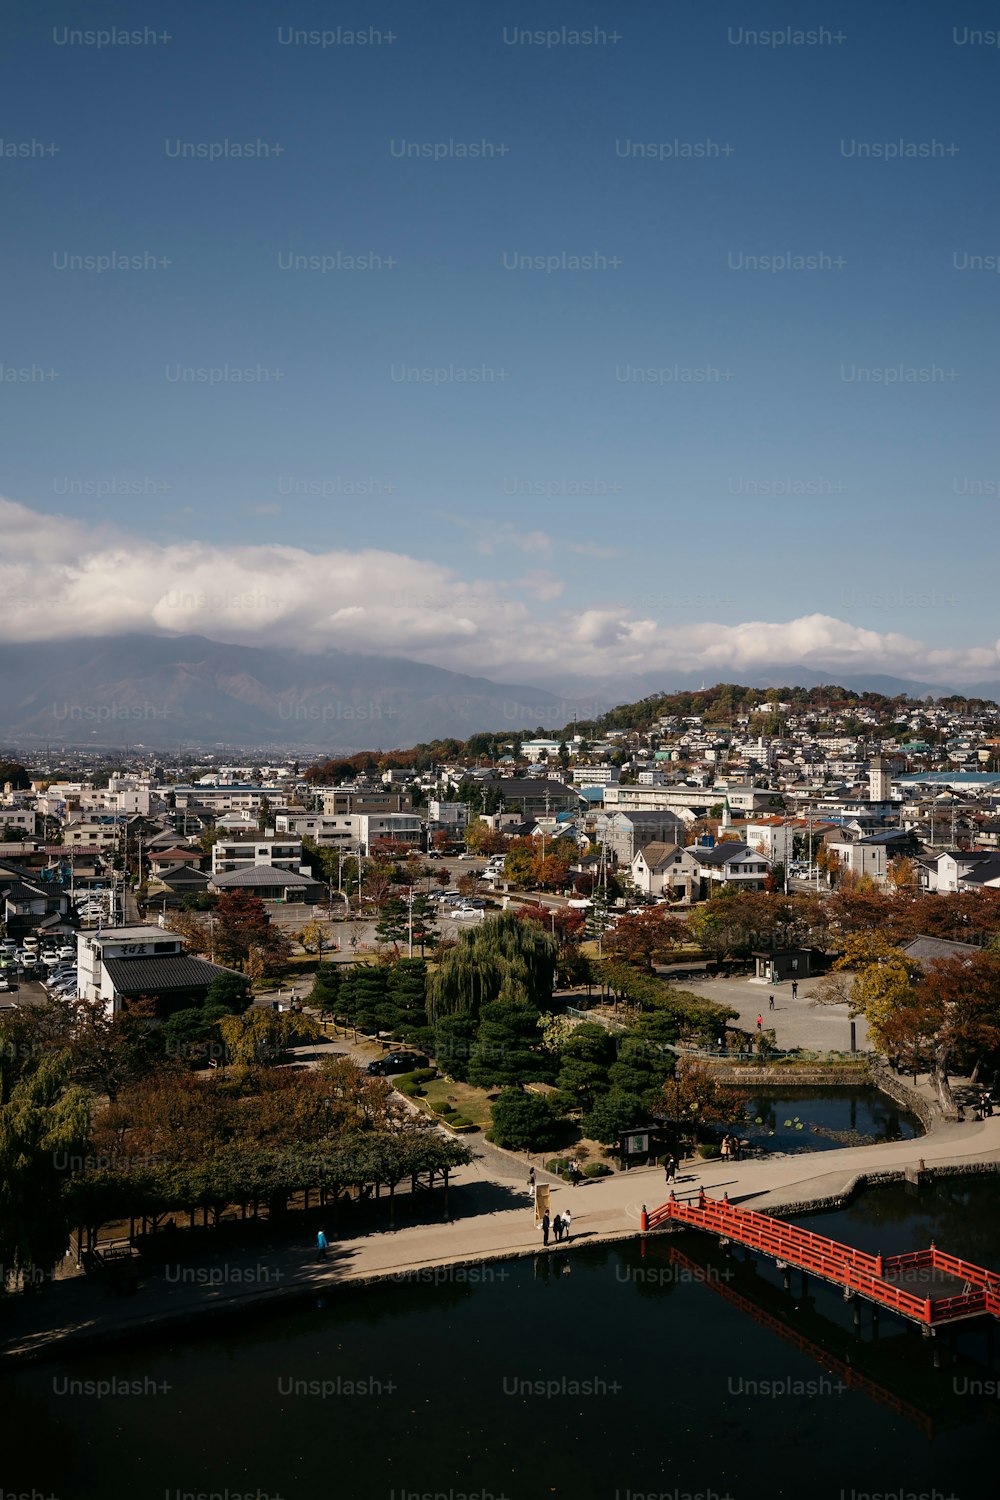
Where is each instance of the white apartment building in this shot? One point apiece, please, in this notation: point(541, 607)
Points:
point(596, 775)
point(374, 828)
point(247, 851)
point(326, 830)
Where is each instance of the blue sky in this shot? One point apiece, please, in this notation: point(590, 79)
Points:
point(809, 473)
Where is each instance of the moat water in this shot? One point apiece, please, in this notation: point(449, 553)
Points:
point(666, 1368)
point(811, 1119)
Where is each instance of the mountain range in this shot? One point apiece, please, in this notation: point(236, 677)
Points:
point(160, 691)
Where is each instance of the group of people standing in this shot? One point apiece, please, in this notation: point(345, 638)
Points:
point(560, 1226)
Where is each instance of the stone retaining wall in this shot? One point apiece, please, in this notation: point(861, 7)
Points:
point(777, 1076)
point(899, 1090)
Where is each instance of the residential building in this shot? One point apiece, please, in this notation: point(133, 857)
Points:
point(371, 829)
point(340, 801)
point(242, 852)
point(450, 815)
point(537, 797)
point(670, 870)
point(730, 863)
point(625, 833)
point(124, 963)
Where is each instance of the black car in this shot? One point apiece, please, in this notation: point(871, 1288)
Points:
point(396, 1062)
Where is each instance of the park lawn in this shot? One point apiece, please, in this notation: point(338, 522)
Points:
point(473, 1103)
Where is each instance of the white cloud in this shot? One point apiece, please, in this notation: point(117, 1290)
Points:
point(60, 577)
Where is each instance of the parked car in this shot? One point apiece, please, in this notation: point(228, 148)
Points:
point(66, 952)
point(396, 1062)
point(5, 986)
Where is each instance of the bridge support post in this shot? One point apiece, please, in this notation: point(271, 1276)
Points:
point(643, 1220)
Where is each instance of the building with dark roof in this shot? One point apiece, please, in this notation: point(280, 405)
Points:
point(124, 963)
point(271, 884)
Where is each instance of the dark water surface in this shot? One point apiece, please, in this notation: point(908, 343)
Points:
point(606, 1372)
point(811, 1119)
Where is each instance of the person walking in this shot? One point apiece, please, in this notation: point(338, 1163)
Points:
point(574, 1173)
point(770, 1002)
point(567, 1220)
point(557, 1227)
point(795, 989)
point(760, 1022)
point(546, 1226)
point(322, 1245)
point(531, 1182)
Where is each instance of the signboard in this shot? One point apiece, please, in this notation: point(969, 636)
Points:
point(637, 1144)
point(541, 1201)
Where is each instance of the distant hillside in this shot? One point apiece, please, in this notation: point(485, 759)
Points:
point(726, 701)
point(161, 690)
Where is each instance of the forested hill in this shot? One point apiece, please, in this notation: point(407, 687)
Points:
point(727, 701)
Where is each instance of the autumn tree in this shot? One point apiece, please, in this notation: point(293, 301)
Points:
point(242, 926)
point(951, 1015)
point(882, 980)
point(646, 937)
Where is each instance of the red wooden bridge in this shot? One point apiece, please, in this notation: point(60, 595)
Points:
point(959, 1290)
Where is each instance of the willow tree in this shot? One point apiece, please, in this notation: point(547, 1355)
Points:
point(501, 959)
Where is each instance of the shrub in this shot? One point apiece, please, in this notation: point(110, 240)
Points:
point(522, 1121)
point(557, 1166)
point(708, 1153)
point(597, 1169)
point(423, 1075)
point(459, 1122)
point(446, 1109)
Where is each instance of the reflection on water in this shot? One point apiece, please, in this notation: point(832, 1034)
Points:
point(660, 1366)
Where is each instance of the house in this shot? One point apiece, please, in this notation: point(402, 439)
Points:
point(16, 822)
point(175, 882)
point(986, 874)
point(730, 863)
point(947, 871)
point(124, 963)
point(161, 860)
point(670, 870)
point(26, 901)
point(341, 803)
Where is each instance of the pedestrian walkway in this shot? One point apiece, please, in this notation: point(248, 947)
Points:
point(492, 1219)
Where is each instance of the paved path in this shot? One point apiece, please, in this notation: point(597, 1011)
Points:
point(492, 1218)
point(801, 1022)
